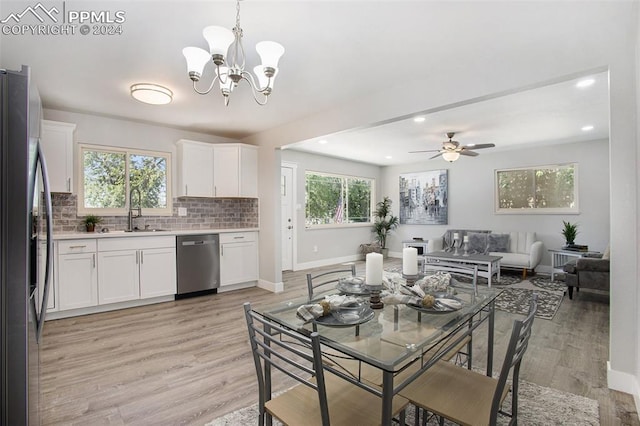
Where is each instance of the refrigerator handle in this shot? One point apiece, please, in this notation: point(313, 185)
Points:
point(49, 255)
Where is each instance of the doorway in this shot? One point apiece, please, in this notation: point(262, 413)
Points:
point(287, 209)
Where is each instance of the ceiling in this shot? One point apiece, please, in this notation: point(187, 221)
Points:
point(336, 52)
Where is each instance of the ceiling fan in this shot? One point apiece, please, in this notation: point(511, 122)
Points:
point(451, 150)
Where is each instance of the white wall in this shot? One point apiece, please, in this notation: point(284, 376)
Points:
point(325, 239)
point(471, 195)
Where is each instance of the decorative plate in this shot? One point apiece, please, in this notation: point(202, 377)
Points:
point(353, 285)
point(346, 317)
point(444, 304)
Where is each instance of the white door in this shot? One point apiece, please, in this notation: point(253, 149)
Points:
point(287, 210)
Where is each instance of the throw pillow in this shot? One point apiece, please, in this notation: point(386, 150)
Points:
point(477, 242)
point(607, 252)
point(498, 243)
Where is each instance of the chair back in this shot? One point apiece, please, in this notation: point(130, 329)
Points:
point(315, 281)
point(296, 355)
point(455, 269)
point(518, 343)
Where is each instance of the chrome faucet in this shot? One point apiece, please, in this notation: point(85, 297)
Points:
point(131, 209)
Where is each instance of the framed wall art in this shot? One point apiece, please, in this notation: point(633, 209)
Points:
point(424, 198)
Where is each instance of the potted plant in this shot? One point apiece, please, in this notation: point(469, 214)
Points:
point(569, 232)
point(384, 223)
point(90, 222)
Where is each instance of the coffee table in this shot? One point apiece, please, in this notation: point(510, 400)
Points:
point(488, 266)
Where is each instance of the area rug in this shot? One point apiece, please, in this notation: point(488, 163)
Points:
point(545, 283)
point(537, 405)
point(517, 299)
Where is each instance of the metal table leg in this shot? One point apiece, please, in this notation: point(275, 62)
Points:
point(492, 310)
point(387, 397)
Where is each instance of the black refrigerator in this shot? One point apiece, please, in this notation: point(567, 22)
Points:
point(25, 248)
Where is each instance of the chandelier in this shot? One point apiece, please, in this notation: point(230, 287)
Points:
point(227, 54)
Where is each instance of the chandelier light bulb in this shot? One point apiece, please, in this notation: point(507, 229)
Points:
point(196, 60)
point(219, 39)
point(270, 53)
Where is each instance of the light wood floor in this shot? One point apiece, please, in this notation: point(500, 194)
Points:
point(188, 362)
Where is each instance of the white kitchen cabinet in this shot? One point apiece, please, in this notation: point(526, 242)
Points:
point(238, 258)
point(157, 272)
point(235, 170)
point(57, 144)
point(118, 277)
point(77, 275)
point(217, 170)
point(195, 169)
point(136, 268)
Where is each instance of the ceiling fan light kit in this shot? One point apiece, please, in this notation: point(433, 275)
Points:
point(451, 150)
point(227, 54)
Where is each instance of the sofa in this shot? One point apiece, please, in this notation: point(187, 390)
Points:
point(588, 272)
point(519, 250)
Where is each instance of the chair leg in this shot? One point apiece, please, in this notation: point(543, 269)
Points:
point(524, 273)
point(570, 292)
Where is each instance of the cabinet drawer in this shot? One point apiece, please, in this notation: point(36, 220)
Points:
point(76, 246)
point(237, 237)
point(136, 243)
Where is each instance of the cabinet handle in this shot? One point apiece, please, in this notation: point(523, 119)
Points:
point(137, 257)
point(141, 257)
point(238, 238)
point(94, 261)
point(69, 184)
point(222, 250)
point(186, 190)
point(75, 247)
point(215, 191)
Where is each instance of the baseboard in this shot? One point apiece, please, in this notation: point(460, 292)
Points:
point(624, 382)
point(326, 262)
point(271, 286)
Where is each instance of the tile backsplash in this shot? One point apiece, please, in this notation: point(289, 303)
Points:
point(202, 213)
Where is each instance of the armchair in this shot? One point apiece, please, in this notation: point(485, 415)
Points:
point(587, 272)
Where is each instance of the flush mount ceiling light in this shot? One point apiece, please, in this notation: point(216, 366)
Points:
point(227, 54)
point(151, 93)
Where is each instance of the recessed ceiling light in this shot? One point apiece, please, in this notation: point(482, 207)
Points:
point(151, 93)
point(587, 128)
point(585, 83)
point(419, 119)
point(322, 141)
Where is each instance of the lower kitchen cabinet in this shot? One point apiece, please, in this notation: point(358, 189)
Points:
point(157, 272)
point(118, 276)
point(77, 274)
point(100, 272)
point(238, 258)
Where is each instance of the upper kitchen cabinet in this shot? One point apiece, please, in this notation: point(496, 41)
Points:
point(217, 170)
point(235, 170)
point(195, 169)
point(57, 144)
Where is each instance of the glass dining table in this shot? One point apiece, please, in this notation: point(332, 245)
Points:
point(394, 345)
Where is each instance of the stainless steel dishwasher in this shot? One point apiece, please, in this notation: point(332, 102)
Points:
point(198, 264)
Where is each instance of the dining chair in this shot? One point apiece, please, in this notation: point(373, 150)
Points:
point(320, 397)
point(314, 281)
point(469, 398)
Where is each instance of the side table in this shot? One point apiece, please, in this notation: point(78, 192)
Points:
point(560, 257)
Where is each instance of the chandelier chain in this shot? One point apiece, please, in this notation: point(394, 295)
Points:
point(238, 14)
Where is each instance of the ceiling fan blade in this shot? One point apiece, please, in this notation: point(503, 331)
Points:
point(436, 156)
point(480, 146)
point(428, 150)
point(468, 153)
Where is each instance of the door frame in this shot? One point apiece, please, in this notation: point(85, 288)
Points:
point(294, 210)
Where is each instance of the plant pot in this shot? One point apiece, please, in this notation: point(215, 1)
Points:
point(385, 252)
point(91, 227)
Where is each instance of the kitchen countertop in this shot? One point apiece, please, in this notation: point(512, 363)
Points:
point(121, 234)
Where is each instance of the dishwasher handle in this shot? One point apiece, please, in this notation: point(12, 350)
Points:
point(198, 243)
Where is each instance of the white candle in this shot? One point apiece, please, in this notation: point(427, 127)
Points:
point(466, 239)
point(410, 261)
point(373, 274)
point(456, 236)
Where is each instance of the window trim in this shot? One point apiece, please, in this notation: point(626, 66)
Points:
point(343, 224)
point(82, 211)
point(539, 210)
